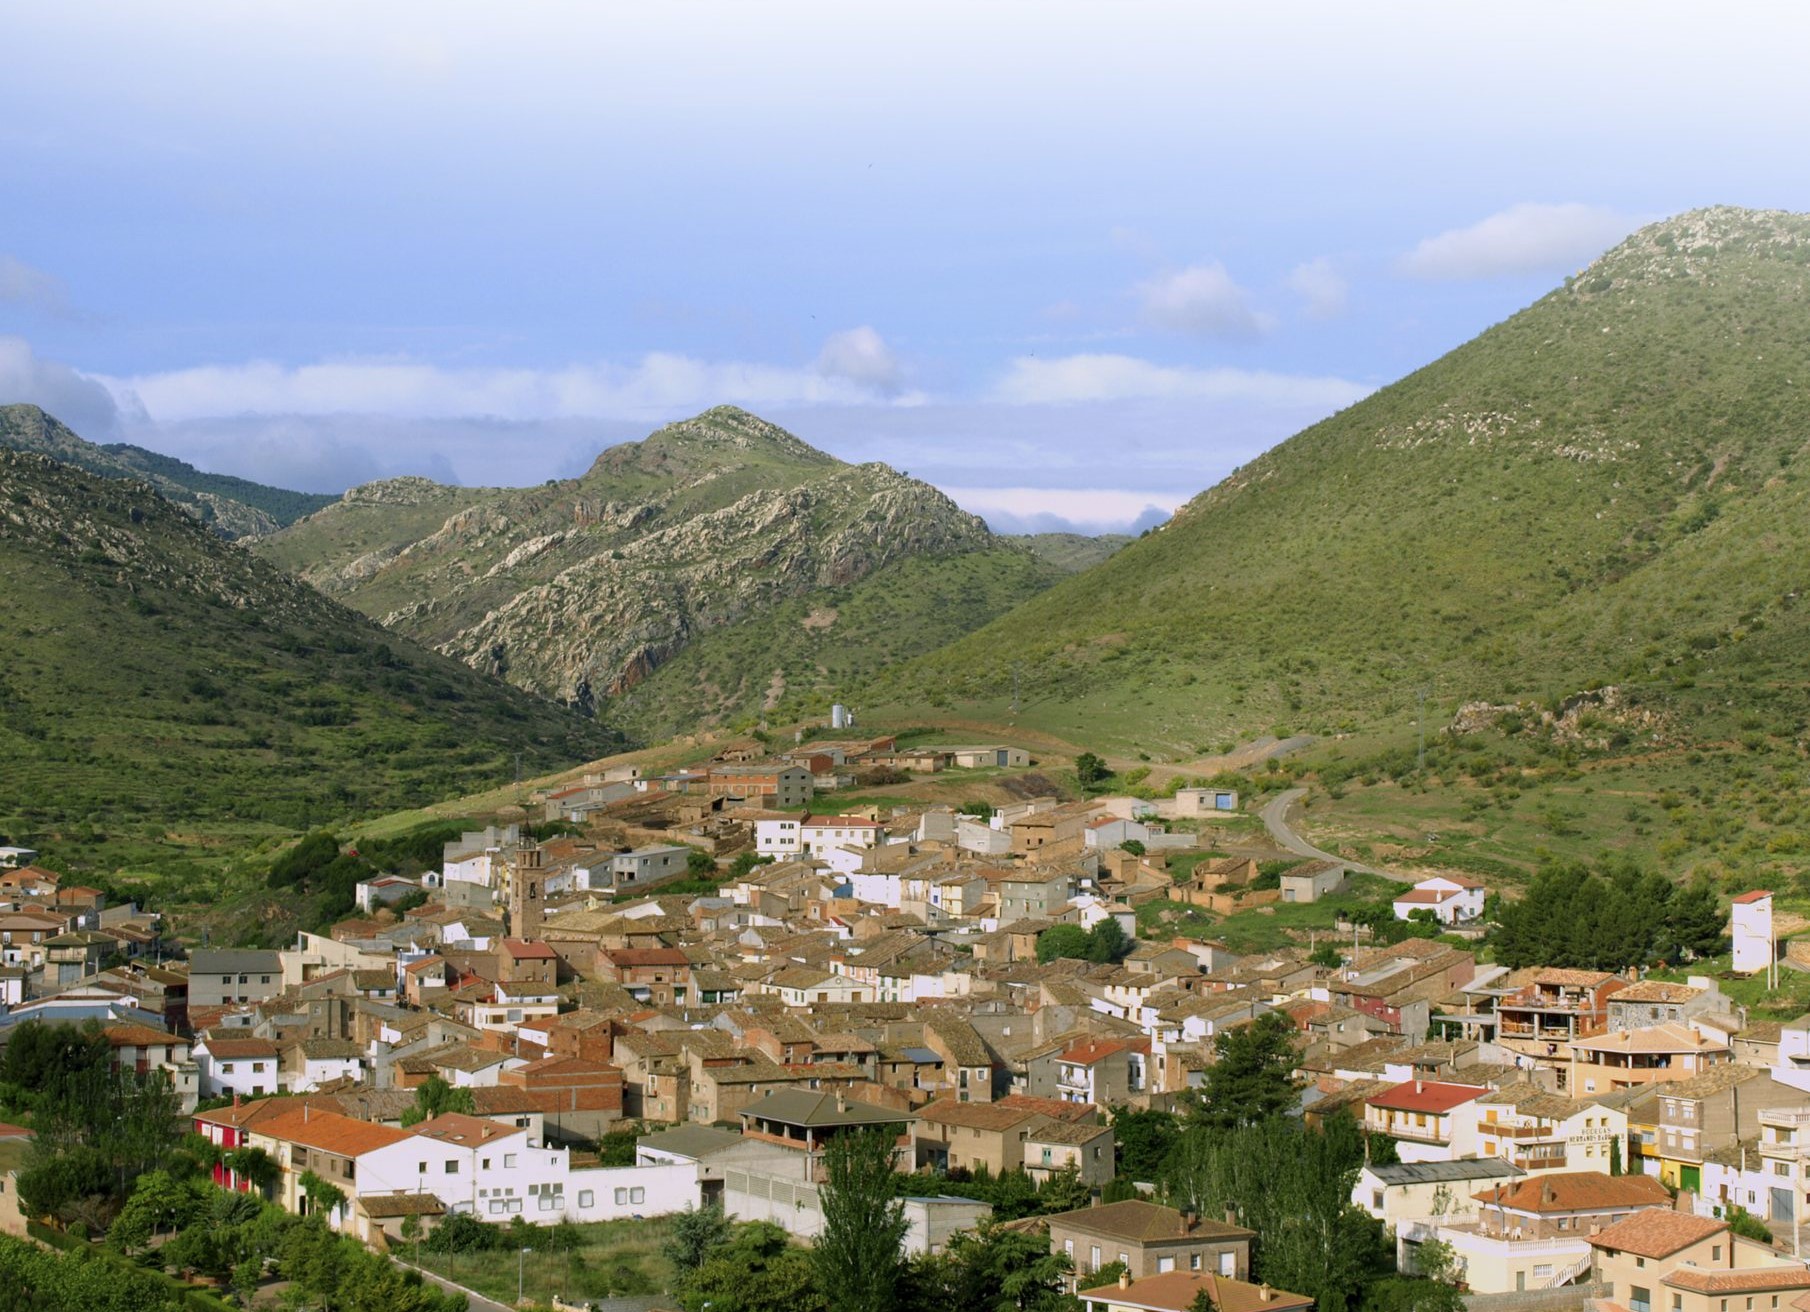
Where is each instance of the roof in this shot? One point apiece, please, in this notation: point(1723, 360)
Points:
point(1786, 1275)
point(1175, 1291)
point(799, 1107)
point(693, 1141)
point(1578, 1191)
point(1466, 1168)
point(1657, 990)
point(975, 1115)
point(222, 961)
point(645, 957)
point(1755, 895)
point(465, 1131)
point(1573, 978)
point(1667, 1037)
point(140, 1036)
point(329, 1131)
point(383, 1206)
point(527, 950)
point(1068, 1132)
point(1086, 1054)
point(235, 1049)
point(1136, 1219)
point(1425, 1096)
point(1656, 1232)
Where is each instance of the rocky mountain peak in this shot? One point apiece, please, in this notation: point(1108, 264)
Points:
point(1696, 244)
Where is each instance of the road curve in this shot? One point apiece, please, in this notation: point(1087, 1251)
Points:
point(1275, 819)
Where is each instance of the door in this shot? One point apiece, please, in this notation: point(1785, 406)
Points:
point(1691, 1178)
point(1781, 1204)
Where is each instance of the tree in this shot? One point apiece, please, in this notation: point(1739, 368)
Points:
point(1145, 1139)
point(435, 1096)
point(1694, 920)
point(697, 1232)
point(1615, 1167)
point(993, 1269)
point(1064, 940)
point(1107, 942)
point(857, 1258)
point(1744, 1223)
point(1132, 846)
point(1203, 1302)
point(1327, 954)
point(1252, 1077)
point(700, 864)
point(759, 1271)
point(323, 1196)
point(255, 1166)
point(1090, 770)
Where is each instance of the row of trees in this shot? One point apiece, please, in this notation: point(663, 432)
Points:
point(1105, 942)
point(1608, 917)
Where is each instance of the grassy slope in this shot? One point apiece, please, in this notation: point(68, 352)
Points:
point(1073, 552)
point(1592, 490)
point(164, 693)
point(794, 658)
point(232, 506)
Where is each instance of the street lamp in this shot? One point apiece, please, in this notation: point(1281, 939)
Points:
point(520, 1256)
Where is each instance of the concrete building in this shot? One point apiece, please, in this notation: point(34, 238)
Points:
point(1750, 928)
point(218, 977)
point(1149, 1239)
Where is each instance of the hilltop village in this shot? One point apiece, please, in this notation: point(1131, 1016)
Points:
point(974, 986)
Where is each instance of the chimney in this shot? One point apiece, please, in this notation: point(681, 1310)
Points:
point(1094, 1201)
point(1264, 1292)
point(841, 1102)
point(1124, 1280)
point(1189, 1221)
point(1417, 1086)
point(235, 1099)
point(1231, 1215)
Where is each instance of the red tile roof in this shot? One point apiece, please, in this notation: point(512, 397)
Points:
point(1086, 1054)
point(526, 950)
point(1757, 895)
point(330, 1132)
point(1577, 1191)
point(1176, 1291)
point(1656, 1232)
point(1425, 1096)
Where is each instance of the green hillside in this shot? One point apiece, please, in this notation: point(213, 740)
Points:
point(163, 691)
point(1073, 552)
point(282, 505)
point(232, 507)
point(717, 568)
point(1607, 487)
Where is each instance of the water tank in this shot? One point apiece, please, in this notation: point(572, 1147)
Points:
point(838, 716)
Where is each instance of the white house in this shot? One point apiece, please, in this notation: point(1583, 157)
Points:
point(1110, 831)
point(1751, 928)
point(321, 1061)
point(512, 1004)
point(383, 890)
point(1453, 899)
point(814, 835)
point(496, 1172)
point(236, 1066)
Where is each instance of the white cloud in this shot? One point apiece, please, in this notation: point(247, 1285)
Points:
point(1065, 510)
point(76, 399)
point(1322, 289)
point(657, 385)
point(861, 356)
point(1061, 380)
point(1201, 300)
point(1522, 239)
point(20, 284)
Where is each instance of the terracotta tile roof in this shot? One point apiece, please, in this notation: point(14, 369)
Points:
point(1175, 1291)
point(1425, 1096)
point(1427, 896)
point(1141, 1221)
point(1756, 895)
point(1790, 1275)
point(1078, 1112)
point(1572, 978)
point(140, 1036)
point(1667, 1037)
point(526, 950)
point(645, 957)
point(383, 1206)
point(975, 1115)
point(237, 1049)
point(330, 1132)
point(1577, 1191)
point(1656, 1232)
point(1657, 990)
point(1086, 1054)
point(465, 1131)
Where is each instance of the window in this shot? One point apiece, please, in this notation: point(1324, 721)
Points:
point(452, 1166)
point(1093, 1257)
point(257, 1068)
point(1715, 1253)
point(1193, 1261)
point(508, 1161)
point(621, 1197)
point(486, 1163)
point(420, 1168)
point(1164, 1265)
point(1376, 1199)
point(241, 979)
point(226, 1068)
point(1639, 1300)
point(587, 1198)
point(1228, 1263)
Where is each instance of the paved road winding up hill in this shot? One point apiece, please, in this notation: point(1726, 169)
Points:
point(1276, 820)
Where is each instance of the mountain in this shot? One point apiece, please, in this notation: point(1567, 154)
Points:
point(1607, 487)
point(781, 574)
point(232, 507)
point(161, 688)
point(1072, 552)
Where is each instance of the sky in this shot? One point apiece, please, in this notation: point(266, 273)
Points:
point(1072, 263)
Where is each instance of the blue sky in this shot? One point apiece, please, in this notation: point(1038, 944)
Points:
point(1069, 262)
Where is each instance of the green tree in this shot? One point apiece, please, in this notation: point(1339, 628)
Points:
point(993, 1269)
point(1327, 954)
point(434, 1096)
point(1744, 1223)
point(1615, 1167)
point(697, 1232)
point(1065, 940)
point(1145, 1139)
point(1203, 1302)
point(1132, 846)
point(1106, 942)
point(1090, 770)
point(759, 1271)
point(1694, 920)
point(324, 1197)
point(699, 864)
point(857, 1257)
point(1252, 1077)
point(255, 1166)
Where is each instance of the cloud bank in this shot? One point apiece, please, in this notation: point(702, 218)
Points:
point(1523, 239)
point(1201, 301)
point(1033, 380)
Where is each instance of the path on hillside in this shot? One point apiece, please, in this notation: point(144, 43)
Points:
point(1276, 820)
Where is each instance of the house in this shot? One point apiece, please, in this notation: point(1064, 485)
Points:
point(1708, 1112)
point(233, 1066)
point(1105, 1072)
point(1429, 1121)
point(325, 1144)
point(1657, 1001)
point(1419, 1191)
point(1181, 1291)
point(1149, 1239)
point(1088, 1150)
point(1030, 894)
point(965, 1136)
point(1624, 1059)
point(1540, 1131)
point(646, 864)
point(385, 889)
point(1312, 880)
point(1545, 1015)
point(783, 787)
point(220, 976)
point(660, 976)
point(523, 962)
point(1664, 1259)
point(804, 1122)
point(1452, 899)
point(1533, 1233)
point(1195, 802)
point(994, 757)
point(1750, 930)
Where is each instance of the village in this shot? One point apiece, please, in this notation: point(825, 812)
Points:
point(975, 987)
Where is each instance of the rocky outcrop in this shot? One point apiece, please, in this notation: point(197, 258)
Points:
point(580, 590)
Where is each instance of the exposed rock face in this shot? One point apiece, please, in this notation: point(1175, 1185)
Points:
point(581, 589)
